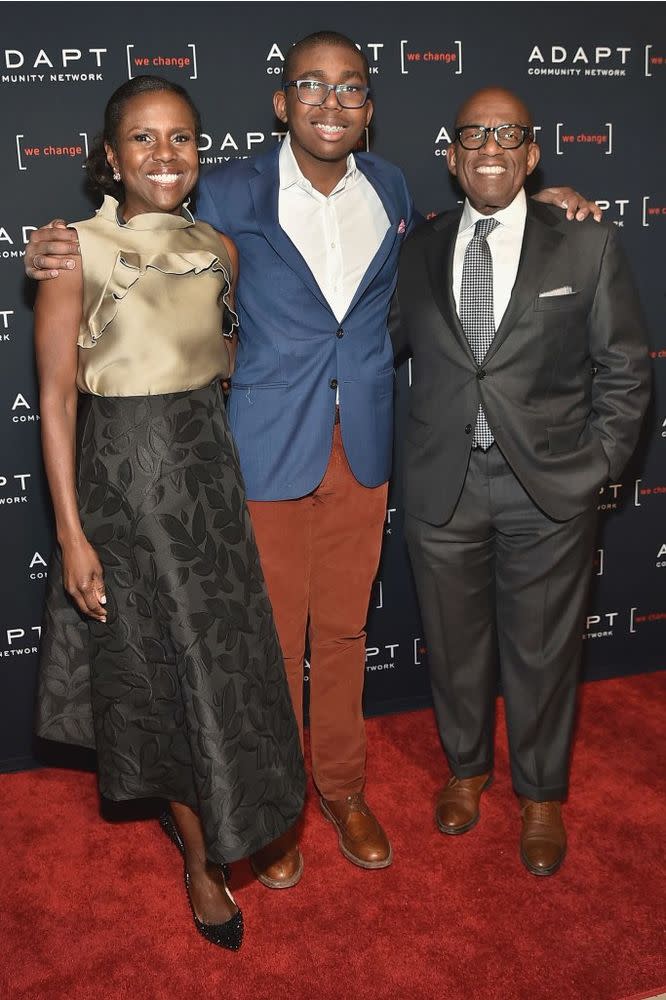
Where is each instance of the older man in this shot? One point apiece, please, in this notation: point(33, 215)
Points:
point(530, 379)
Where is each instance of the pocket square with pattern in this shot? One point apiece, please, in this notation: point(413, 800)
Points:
point(564, 290)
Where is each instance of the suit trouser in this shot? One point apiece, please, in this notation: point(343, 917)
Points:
point(503, 578)
point(319, 555)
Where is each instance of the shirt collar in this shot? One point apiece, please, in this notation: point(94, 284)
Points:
point(291, 173)
point(110, 210)
point(513, 216)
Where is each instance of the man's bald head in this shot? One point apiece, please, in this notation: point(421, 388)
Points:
point(490, 174)
point(497, 98)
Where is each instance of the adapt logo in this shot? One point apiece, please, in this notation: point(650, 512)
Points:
point(378, 658)
point(31, 152)
point(580, 60)
point(66, 65)
point(615, 210)
point(216, 149)
point(443, 136)
point(181, 63)
point(213, 149)
point(610, 496)
point(5, 325)
point(22, 412)
point(419, 56)
point(601, 625)
point(21, 641)
point(275, 58)
point(38, 568)
point(12, 242)
point(597, 137)
point(14, 489)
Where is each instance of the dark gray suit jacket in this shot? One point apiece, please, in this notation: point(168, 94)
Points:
point(564, 384)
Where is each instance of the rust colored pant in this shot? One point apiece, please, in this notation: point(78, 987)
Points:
point(320, 555)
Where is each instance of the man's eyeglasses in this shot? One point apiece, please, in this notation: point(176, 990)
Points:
point(506, 136)
point(315, 92)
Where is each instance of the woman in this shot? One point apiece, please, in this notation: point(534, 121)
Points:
point(165, 658)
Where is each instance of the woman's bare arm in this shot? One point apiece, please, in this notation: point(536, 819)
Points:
point(57, 317)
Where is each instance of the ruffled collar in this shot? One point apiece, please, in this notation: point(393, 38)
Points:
point(147, 221)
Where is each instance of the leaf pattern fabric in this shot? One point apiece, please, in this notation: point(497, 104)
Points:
point(182, 691)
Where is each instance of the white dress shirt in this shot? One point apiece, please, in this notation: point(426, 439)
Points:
point(505, 244)
point(338, 235)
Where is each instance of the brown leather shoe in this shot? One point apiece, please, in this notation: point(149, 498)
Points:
point(279, 865)
point(457, 809)
point(543, 842)
point(361, 838)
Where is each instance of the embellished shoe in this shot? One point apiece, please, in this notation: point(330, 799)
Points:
point(227, 935)
point(171, 830)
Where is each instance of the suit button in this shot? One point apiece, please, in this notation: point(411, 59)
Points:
point(468, 428)
point(481, 374)
point(340, 332)
point(333, 383)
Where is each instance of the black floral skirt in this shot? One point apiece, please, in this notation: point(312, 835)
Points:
point(182, 692)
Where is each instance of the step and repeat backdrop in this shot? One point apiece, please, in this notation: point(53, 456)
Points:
point(597, 86)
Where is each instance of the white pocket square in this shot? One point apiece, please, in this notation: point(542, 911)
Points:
point(564, 290)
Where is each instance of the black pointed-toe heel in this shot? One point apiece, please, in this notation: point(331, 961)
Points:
point(227, 935)
point(171, 830)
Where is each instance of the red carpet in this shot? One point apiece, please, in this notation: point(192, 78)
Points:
point(93, 909)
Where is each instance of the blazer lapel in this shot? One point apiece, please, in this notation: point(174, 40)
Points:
point(536, 258)
point(439, 261)
point(390, 236)
point(265, 188)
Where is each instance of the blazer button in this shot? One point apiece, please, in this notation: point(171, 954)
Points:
point(468, 428)
point(340, 332)
point(333, 383)
point(481, 374)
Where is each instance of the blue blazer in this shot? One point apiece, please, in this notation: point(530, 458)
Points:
point(293, 355)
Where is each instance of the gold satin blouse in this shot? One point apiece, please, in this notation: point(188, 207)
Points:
point(155, 304)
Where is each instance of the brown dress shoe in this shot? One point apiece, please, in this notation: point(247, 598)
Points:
point(543, 842)
point(457, 809)
point(361, 838)
point(279, 865)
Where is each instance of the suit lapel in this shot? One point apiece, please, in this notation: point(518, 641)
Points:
point(265, 188)
point(439, 261)
point(536, 257)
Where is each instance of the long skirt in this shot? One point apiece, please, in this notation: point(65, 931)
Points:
point(182, 691)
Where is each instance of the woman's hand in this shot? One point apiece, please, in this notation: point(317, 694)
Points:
point(83, 578)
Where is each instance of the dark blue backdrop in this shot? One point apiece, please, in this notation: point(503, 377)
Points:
point(596, 83)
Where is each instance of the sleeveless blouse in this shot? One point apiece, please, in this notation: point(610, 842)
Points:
point(155, 304)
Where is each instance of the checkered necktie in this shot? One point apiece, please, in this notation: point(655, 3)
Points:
point(476, 309)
